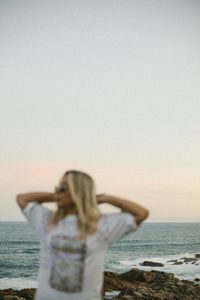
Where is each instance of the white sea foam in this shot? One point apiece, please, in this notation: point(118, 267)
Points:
point(110, 295)
point(17, 283)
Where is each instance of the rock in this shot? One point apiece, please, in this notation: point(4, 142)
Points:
point(129, 292)
point(11, 297)
point(188, 260)
point(10, 294)
point(112, 281)
point(138, 275)
point(126, 297)
point(151, 285)
point(151, 264)
point(185, 260)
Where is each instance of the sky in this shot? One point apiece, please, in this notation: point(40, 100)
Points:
point(107, 87)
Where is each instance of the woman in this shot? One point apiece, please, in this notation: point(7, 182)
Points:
point(74, 238)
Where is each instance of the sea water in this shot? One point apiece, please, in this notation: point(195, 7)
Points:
point(157, 242)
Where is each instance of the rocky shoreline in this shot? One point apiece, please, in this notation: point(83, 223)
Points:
point(132, 285)
point(150, 285)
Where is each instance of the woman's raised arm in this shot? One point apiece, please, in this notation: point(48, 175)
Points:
point(139, 212)
point(39, 197)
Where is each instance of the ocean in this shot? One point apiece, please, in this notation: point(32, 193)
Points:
point(157, 242)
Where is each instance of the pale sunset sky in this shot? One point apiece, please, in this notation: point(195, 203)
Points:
point(108, 87)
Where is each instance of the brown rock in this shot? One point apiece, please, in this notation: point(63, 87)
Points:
point(151, 264)
point(10, 294)
point(152, 285)
point(11, 297)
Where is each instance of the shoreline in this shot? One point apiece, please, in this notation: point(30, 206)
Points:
point(134, 284)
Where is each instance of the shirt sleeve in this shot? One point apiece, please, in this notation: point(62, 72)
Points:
point(119, 225)
point(38, 216)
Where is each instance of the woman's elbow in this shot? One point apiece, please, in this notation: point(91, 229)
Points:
point(142, 216)
point(21, 201)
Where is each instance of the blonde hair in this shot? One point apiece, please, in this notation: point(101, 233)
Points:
point(83, 194)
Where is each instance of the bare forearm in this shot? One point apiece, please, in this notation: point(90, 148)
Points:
point(135, 209)
point(39, 197)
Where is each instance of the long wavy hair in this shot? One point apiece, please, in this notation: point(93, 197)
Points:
point(83, 194)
